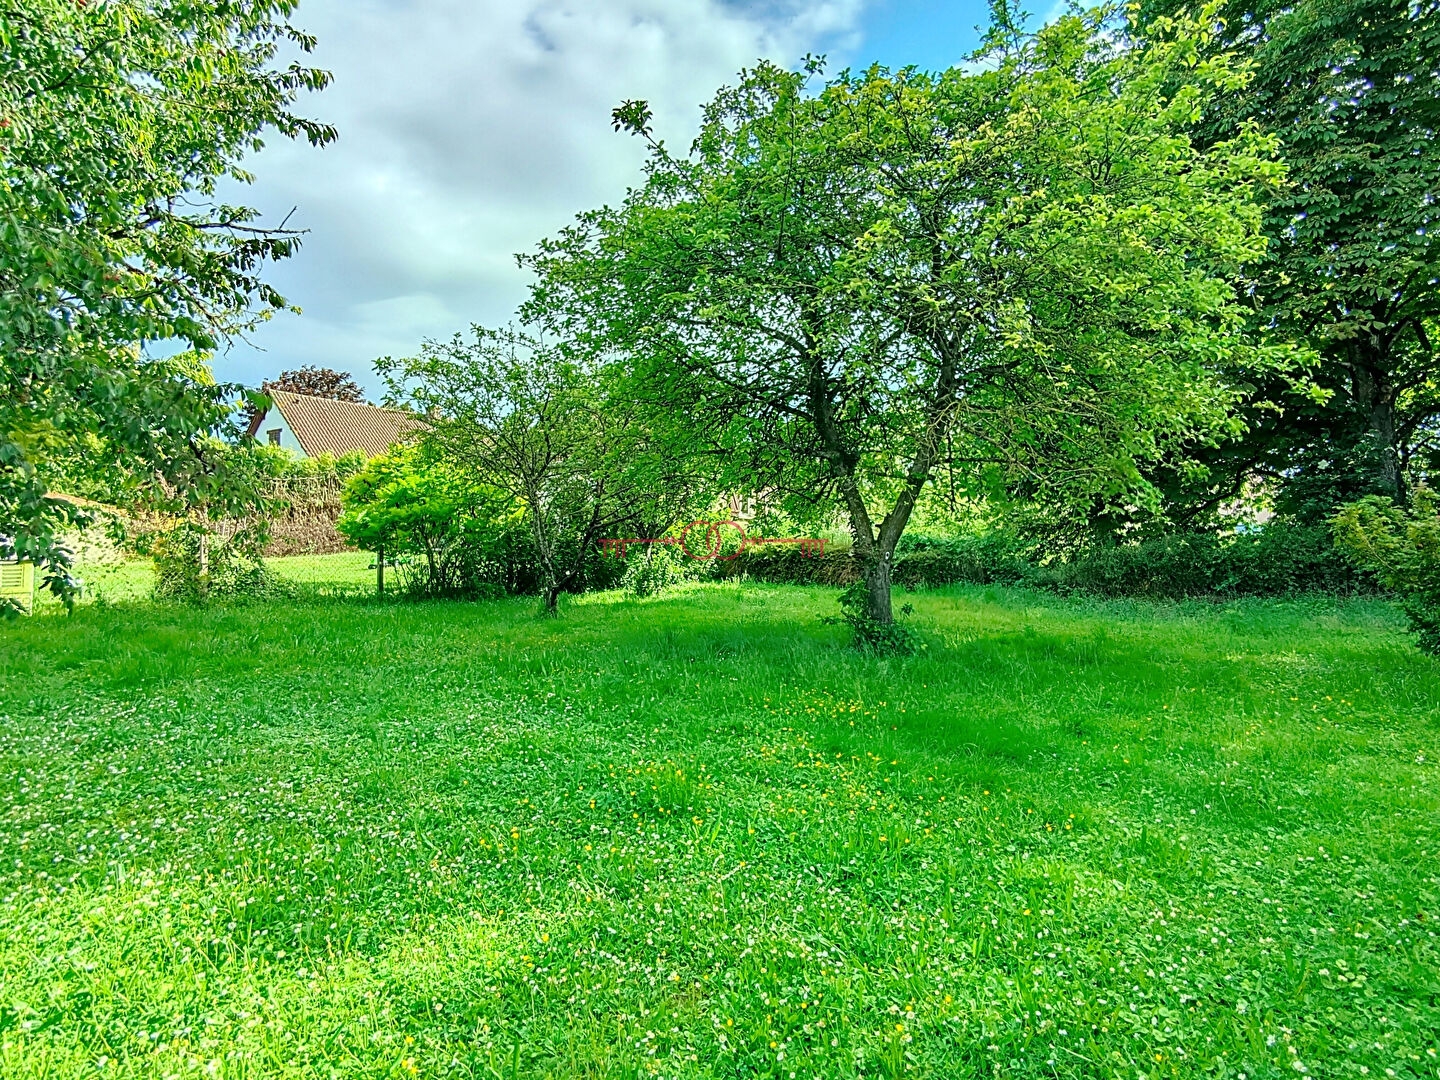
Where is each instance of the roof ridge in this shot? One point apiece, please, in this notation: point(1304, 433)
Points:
point(341, 401)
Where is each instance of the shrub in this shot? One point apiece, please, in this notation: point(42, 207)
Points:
point(788, 566)
point(1278, 560)
point(656, 570)
point(195, 562)
point(1403, 549)
point(892, 638)
point(920, 561)
point(447, 536)
point(278, 463)
point(991, 559)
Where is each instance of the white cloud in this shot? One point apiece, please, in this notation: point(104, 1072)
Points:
point(468, 130)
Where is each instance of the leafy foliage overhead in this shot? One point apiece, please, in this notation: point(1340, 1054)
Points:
point(1351, 88)
point(118, 121)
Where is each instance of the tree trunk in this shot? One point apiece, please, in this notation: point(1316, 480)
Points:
point(877, 588)
point(550, 583)
point(1382, 433)
point(874, 562)
point(202, 578)
point(1374, 393)
point(875, 548)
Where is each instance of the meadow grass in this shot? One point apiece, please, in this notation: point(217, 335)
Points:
point(117, 580)
point(698, 835)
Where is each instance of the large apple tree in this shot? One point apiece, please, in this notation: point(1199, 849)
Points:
point(1015, 272)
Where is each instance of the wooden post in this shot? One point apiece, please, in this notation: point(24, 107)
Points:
point(380, 570)
point(204, 560)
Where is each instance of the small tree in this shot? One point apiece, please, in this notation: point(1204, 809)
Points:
point(197, 560)
point(444, 529)
point(1016, 274)
point(521, 415)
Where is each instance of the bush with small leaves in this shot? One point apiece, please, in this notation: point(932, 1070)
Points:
point(196, 561)
point(654, 571)
point(1402, 548)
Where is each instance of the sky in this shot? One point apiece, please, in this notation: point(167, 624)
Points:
point(470, 129)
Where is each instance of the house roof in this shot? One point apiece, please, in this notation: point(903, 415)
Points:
point(331, 427)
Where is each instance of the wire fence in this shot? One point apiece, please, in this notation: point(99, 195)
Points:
point(333, 575)
point(341, 573)
point(304, 553)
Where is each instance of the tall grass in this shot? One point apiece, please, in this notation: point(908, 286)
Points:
point(698, 835)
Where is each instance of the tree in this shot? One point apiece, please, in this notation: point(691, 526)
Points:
point(407, 504)
point(521, 415)
point(317, 382)
point(1352, 90)
point(1015, 273)
point(117, 122)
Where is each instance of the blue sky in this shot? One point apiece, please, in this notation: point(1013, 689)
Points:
point(469, 129)
point(929, 33)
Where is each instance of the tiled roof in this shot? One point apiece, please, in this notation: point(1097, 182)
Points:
point(337, 427)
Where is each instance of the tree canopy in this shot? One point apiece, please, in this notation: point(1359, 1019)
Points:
point(1017, 272)
point(1351, 88)
point(118, 123)
point(312, 381)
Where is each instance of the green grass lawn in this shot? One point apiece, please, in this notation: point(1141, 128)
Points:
point(698, 835)
point(350, 573)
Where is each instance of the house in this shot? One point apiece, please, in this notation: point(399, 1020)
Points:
point(314, 426)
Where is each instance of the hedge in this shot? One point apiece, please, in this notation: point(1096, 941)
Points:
point(1277, 561)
